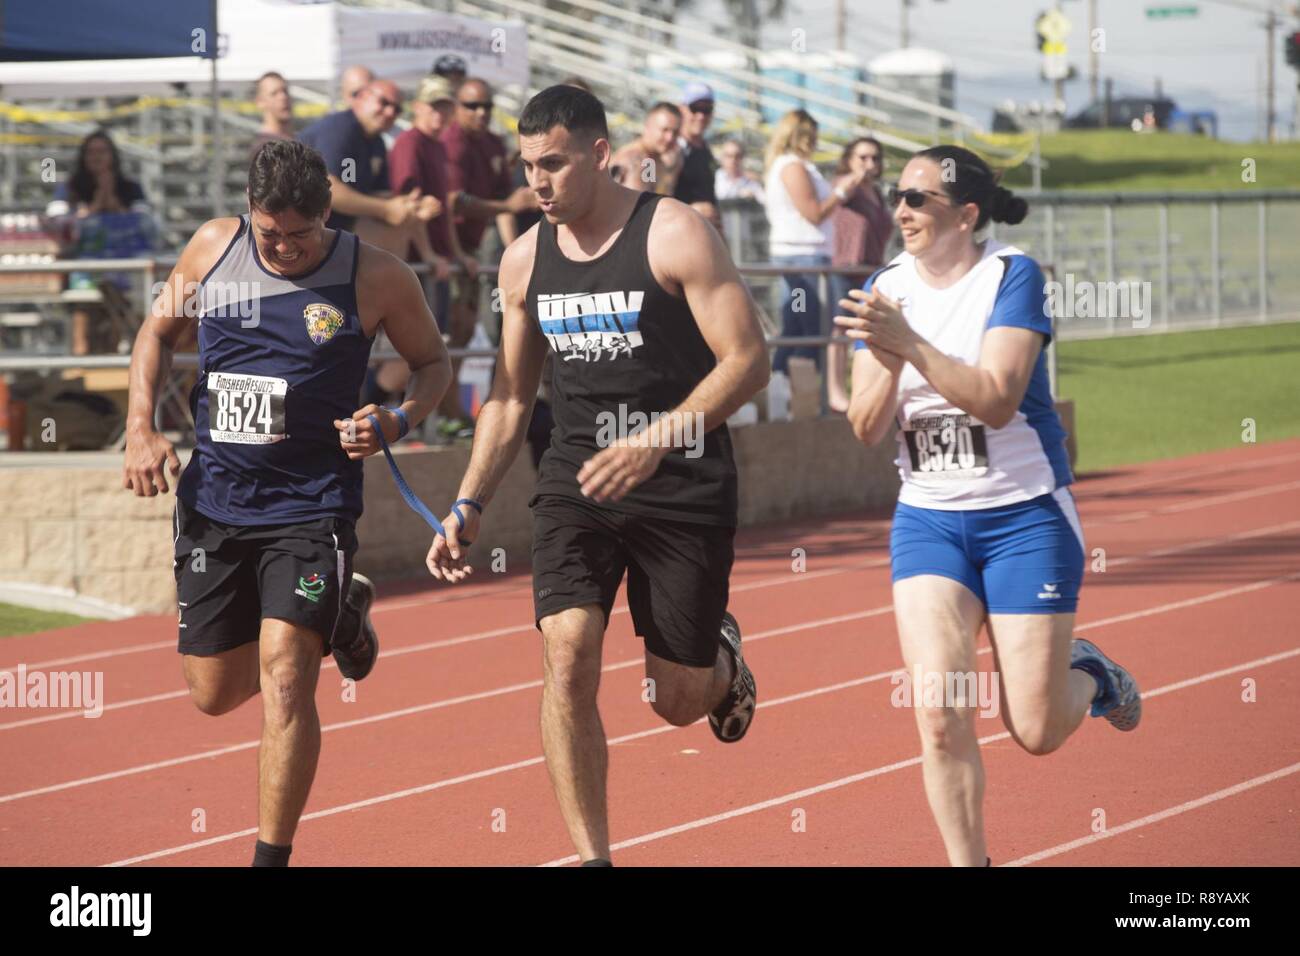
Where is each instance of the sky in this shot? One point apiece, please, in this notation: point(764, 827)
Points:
point(1214, 60)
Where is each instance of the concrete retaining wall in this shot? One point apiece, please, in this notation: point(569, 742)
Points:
point(67, 524)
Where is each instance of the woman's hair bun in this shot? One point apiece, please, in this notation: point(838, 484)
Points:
point(1007, 207)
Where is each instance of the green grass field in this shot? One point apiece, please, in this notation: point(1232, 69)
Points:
point(1119, 159)
point(23, 620)
point(1146, 397)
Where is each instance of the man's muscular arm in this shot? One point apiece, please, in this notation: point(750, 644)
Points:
point(151, 358)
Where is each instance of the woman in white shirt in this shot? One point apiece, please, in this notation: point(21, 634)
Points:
point(799, 206)
point(950, 339)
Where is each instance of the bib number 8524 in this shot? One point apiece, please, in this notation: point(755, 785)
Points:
point(246, 409)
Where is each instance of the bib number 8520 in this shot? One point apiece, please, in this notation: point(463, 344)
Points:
point(952, 447)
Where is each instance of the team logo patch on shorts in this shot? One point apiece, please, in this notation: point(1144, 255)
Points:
point(311, 587)
point(323, 320)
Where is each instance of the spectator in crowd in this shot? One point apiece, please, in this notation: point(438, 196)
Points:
point(652, 161)
point(418, 160)
point(353, 81)
point(732, 181)
point(109, 219)
point(271, 96)
point(800, 203)
point(478, 186)
point(694, 184)
point(451, 68)
point(863, 225)
point(353, 148)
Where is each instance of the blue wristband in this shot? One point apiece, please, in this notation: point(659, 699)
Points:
point(455, 509)
point(403, 424)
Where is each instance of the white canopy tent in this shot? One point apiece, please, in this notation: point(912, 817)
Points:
point(310, 44)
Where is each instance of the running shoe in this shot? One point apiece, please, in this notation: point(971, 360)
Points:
point(356, 645)
point(1119, 699)
point(733, 716)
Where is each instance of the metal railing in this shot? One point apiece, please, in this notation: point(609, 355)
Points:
point(1197, 259)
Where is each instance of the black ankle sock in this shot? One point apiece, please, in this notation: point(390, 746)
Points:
point(1097, 671)
point(596, 863)
point(266, 854)
point(988, 861)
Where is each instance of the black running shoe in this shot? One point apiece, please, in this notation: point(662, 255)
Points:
point(356, 646)
point(734, 715)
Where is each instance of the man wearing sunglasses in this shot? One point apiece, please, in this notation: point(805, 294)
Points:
point(478, 189)
point(695, 184)
point(352, 145)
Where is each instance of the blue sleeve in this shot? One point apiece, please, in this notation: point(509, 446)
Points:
point(858, 344)
point(333, 140)
point(1021, 301)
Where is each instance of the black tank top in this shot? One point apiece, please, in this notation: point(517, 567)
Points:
point(623, 345)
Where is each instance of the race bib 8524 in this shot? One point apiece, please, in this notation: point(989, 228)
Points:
point(946, 446)
point(247, 409)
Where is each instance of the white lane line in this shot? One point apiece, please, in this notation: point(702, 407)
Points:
point(800, 696)
point(899, 765)
point(1151, 818)
point(753, 585)
point(1197, 504)
point(1179, 476)
point(407, 711)
point(524, 628)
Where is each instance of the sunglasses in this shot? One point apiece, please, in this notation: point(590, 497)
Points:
point(385, 103)
point(479, 105)
point(704, 107)
point(915, 198)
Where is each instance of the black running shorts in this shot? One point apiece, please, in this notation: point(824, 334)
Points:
point(678, 573)
point(230, 577)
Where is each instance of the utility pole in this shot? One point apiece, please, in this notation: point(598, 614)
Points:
point(1092, 52)
point(1270, 116)
point(905, 35)
point(840, 25)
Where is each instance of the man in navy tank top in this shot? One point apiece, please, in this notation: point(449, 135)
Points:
point(655, 341)
point(266, 509)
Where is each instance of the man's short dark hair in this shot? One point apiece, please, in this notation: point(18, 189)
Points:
point(568, 106)
point(287, 174)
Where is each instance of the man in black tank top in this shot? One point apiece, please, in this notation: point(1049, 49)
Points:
point(265, 512)
point(655, 341)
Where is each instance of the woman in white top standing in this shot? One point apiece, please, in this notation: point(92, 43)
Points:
point(950, 339)
point(799, 206)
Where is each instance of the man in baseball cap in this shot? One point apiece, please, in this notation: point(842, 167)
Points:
point(695, 184)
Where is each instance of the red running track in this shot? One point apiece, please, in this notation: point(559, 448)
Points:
point(438, 760)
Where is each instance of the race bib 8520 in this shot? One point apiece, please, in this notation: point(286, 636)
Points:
point(247, 409)
point(946, 446)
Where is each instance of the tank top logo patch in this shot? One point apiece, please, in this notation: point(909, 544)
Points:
point(589, 326)
point(322, 321)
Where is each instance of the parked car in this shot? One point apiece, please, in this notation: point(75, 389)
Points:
point(1125, 111)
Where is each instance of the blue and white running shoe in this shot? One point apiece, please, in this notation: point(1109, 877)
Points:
point(1119, 699)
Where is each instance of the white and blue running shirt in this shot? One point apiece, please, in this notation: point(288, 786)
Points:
point(948, 459)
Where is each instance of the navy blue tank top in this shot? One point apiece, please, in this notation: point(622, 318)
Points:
point(280, 358)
